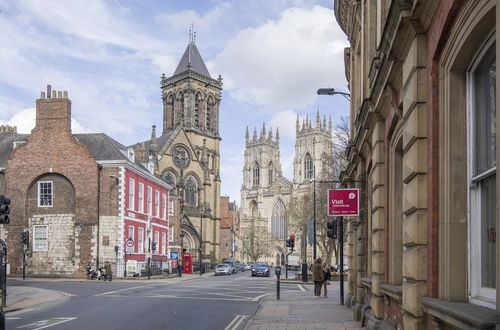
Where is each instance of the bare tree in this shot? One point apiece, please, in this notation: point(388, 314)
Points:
point(256, 241)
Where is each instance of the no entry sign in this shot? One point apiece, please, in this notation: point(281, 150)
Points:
point(343, 202)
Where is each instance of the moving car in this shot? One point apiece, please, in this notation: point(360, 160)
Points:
point(240, 267)
point(261, 269)
point(249, 266)
point(223, 269)
point(231, 263)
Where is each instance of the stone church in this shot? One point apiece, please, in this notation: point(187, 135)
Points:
point(186, 154)
point(266, 193)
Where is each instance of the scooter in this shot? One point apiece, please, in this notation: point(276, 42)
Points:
point(102, 275)
point(91, 273)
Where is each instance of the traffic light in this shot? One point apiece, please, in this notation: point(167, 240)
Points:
point(4, 209)
point(25, 237)
point(153, 246)
point(287, 243)
point(331, 229)
point(292, 241)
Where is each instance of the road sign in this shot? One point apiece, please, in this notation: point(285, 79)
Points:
point(174, 255)
point(343, 202)
point(130, 242)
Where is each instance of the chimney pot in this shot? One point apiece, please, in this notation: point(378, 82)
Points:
point(54, 94)
point(42, 95)
point(65, 94)
point(49, 91)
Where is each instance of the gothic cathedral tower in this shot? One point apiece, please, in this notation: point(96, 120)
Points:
point(187, 154)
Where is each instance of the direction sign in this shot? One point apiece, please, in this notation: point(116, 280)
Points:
point(343, 202)
point(130, 242)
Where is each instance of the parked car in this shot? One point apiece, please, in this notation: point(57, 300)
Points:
point(240, 267)
point(335, 270)
point(261, 269)
point(249, 266)
point(223, 269)
point(232, 264)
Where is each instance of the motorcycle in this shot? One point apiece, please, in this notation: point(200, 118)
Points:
point(102, 274)
point(91, 273)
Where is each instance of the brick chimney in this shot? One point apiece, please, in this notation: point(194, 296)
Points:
point(53, 111)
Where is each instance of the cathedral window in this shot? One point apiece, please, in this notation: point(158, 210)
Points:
point(208, 112)
point(308, 167)
point(190, 191)
point(279, 221)
point(270, 173)
point(180, 108)
point(169, 178)
point(197, 105)
point(256, 174)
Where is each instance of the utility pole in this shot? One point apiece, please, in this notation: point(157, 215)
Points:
point(314, 220)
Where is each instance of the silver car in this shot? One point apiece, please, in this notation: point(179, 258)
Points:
point(223, 269)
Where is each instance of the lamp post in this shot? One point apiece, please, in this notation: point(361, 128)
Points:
point(314, 219)
point(204, 210)
point(332, 91)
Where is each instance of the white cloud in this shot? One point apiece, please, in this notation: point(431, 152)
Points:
point(285, 120)
point(280, 64)
point(24, 120)
point(178, 20)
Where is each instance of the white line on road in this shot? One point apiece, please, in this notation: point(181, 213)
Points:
point(132, 288)
point(235, 323)
point(261, 296)
point(47, 323)
point(301, 287)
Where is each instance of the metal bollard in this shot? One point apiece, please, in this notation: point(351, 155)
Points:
point(277, 271)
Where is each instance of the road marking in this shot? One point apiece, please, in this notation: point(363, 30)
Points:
point(301, 287)
point(261, 296)
point(46, 323)
point(235, 323)
point(13, 318)
point(126, 289)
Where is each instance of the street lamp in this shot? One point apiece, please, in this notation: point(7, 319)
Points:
point(204, 210)
point(332, 91)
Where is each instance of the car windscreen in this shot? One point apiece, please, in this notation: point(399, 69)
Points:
point(222, 266)
point(261, 264)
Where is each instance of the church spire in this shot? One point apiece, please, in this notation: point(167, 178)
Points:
point(263, 132)
point(153, 150)
point(277, 135)
point(270, 135)
point(318, 121)
point(247, 136)
point(191, 59)
point(297, 124)
point(254, 134)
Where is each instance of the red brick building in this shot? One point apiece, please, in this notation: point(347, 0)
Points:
point(229, 229)
point(78, 195)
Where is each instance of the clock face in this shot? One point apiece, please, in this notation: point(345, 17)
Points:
point(180, 157)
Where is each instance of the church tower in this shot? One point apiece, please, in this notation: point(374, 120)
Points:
point(313, 150)
point(262, 159)
point(191, 97)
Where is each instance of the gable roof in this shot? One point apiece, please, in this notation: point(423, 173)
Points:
point(7, 144)
point(193, 59)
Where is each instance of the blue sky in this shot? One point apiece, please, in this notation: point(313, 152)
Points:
point(109, 55)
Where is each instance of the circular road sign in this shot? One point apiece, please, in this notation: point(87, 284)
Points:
point(130, 242)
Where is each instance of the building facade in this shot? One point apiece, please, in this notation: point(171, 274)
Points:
point(266, 194)
point(187, 153)
point(422, 77)
point(229, 230)
point(78, 197)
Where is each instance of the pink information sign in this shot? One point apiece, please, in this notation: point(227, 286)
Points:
point(343, 202)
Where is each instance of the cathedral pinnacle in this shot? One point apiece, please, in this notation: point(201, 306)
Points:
point(277, 135)
point(297, 124)
point(263, 132)
point(330, 124)
point(254, 134)
point(318, 120)
point(270, 136)
point(324, 122)
point(247, 136)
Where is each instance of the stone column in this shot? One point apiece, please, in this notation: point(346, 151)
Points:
point(415, 179)
point(378, 204)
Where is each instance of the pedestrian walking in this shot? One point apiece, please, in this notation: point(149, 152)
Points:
point(326, 279)
point(317, 277)
point(179, 269)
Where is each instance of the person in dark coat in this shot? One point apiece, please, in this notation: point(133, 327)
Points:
point(317, 277)
point(326, 279)
point(179, 269)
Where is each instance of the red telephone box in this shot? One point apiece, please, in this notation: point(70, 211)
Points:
point(187, 264)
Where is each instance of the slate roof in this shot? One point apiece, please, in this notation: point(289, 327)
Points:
point(192, 56)
point(160, 142)
point(101, 146)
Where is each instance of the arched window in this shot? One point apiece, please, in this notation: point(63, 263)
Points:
point(256, 174)
point(197, 105)
point(308, 167)
point(169, 178)
point(190, 191)
point(271, 173)
point(279, 221)
point(180, 107)
point(169, 111)
point(208, 113)
point(254, 210)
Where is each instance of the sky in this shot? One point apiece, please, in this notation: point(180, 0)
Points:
point(109, 55)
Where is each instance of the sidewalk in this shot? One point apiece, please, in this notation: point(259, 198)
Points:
point(27, 297)
point(300, 310)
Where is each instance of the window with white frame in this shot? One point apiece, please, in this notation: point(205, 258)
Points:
point(157, 240)
point(164, 206)
point(170, 234)
point(40, 238)
point(149, 201)
point(131, 232)
point(131, 194)
point(482, 174)
point(45, 194)
point(171, 207)
point(157, 203)
point(140, 240)
point(141, 197)
point(163, 243)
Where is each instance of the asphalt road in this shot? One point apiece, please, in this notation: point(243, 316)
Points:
point(210, 302)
